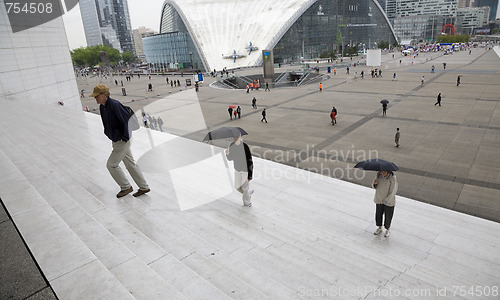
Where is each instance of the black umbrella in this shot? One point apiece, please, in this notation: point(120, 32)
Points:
point(384, 101)
point(376, 164)
point(224, 132)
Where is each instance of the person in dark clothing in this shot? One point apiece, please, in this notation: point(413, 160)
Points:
point(230, 111)
point(115, 120)
point(438, 100)
point(254, 103)
point(458, 80)
point(238, 111)
point(384, 108)
point(240, 154)
point(264, 116)
point(397, 136)
point(333, 116)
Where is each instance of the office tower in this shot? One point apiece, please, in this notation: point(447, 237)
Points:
point(137, 35)
point(107, 22)
point(405, 8)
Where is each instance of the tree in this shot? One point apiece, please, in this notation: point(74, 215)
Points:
point(127, 56)
point(383, 45)
point(459, 38)
point(328, 54)
point(90, 56)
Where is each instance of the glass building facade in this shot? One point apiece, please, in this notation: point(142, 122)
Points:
point(173, 47)
point(173, 50)
point(329, 24)
point(107, 22)
point(324, 26)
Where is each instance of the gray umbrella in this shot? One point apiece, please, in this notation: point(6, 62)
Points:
point(384, 101)
point(376, 164)
point(224, 132)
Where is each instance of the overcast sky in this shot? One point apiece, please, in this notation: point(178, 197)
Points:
point(142, 13)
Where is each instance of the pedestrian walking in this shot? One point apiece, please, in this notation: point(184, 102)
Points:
point(384, 109)
point(396, 137)
point(240, 154)
point(321, 86)
point(150, 87)
point(333, 116)
point(264, 116)
point(362, 74)
point(267, 87)
point(422, 80)
point(394, 76)
point(438, 100)
point(160, 123)
point(386, 186)
point(458, 79)
point(347, 70)
point(444, 66)
point(115, 119)
point(230, 111)
point(238, 111)
point(144, 120)
point(254, 103)
point(248, 88)
point(432, 68)
point(335, 71)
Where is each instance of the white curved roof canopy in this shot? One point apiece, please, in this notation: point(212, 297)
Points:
point(221, 27)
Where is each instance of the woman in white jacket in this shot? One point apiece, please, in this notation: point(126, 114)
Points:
point(386, 186)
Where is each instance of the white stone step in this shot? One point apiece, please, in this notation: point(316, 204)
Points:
point(301, 238)
point(186, 281)
point(59, 252)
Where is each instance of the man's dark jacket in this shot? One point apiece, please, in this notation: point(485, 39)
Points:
point(115, 120)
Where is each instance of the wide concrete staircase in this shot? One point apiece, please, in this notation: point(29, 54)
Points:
point(306, 236)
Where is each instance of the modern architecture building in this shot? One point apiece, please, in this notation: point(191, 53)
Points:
point(137, 35)
point(405, 8)
point(107, 22)
point(491, 4)
point(423, 20)
point(473, 18)
point(219, 34)
point(421, 27)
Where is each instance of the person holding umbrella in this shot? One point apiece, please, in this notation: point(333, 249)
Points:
point(386, 186)
point(384, 106)
point(240, 154)
point(230, 111)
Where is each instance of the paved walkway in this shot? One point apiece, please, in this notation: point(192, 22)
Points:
point(307, 236)
point(448, 154)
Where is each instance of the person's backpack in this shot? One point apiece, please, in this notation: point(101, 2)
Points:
point(133, 123)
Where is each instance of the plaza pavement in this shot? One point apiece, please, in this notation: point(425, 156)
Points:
point(448, 155)
point(307, 236)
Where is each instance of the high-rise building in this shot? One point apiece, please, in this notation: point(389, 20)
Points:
point(107, 22)
point(405, 8)
point(137, 35)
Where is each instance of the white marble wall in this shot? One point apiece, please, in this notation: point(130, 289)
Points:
point(35, 64)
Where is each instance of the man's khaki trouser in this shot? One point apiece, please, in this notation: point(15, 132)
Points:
point(121, 152)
